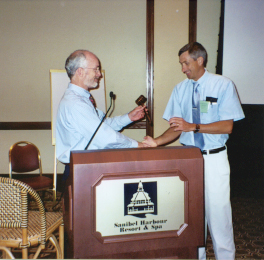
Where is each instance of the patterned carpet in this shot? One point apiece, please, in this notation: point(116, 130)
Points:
point(248, 222)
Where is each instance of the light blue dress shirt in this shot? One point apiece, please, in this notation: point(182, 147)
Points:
point(226, 107)
point(77, 120)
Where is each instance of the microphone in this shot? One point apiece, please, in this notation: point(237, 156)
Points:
point(141, 100)
point(112, 97)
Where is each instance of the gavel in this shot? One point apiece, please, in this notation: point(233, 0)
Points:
point(141, 100)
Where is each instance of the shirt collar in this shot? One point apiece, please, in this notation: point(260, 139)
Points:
point(79, 90)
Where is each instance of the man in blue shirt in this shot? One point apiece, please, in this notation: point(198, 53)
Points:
point(201, 111)
point(78, 118)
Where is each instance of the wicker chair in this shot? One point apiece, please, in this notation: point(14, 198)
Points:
point(25, 157)
point(23, 229)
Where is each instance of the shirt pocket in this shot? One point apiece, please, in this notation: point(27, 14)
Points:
point(211, 115)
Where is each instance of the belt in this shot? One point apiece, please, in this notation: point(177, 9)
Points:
point(217, 150)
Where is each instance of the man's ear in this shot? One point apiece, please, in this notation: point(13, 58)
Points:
point(79, 72)
point(200, 61)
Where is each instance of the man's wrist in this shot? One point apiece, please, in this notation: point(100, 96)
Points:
point(156, 142)
point(197, 128)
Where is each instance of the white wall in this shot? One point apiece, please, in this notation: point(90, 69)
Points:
point(170, 34)
point(38, 35)
point(244, 48)
point(208, 22)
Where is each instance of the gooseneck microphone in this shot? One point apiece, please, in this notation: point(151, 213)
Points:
point(112, 96)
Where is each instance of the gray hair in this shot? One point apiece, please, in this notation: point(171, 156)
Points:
point(76, 60)
point(195, 50)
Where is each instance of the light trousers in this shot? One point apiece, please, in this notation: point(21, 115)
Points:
point(218, 212)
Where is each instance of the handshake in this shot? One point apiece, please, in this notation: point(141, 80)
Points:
point(148, 142)
point(177, 125)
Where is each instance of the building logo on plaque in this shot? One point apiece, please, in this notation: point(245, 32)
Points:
point(140, 199)
point(140, 205)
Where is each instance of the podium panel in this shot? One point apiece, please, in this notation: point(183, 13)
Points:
point(135, 203)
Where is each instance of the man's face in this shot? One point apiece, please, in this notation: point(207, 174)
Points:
point(92, 73)
point(193, 69)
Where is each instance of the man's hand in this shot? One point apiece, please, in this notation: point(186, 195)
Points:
point(149, 142)
point(137, 113)
point(179, 124)
point(140, 145)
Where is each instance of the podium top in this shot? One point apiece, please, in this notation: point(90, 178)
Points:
point(135, 154)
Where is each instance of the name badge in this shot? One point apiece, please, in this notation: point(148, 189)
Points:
point(204, 105)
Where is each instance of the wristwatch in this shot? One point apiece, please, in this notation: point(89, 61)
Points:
point(197, 128)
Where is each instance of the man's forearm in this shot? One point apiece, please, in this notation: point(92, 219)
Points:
point(220, 127)
point(167, 137)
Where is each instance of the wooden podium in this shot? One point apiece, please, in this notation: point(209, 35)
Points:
point(135, 203)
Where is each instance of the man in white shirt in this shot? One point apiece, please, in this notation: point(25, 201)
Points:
point(201, 111)
point(78, 118)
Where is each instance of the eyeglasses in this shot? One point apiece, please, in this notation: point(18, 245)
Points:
point(98, 69)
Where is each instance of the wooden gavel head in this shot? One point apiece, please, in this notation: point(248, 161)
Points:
point(141, 100)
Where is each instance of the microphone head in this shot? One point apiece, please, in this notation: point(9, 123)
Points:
point(141, 100)
point(112, 95)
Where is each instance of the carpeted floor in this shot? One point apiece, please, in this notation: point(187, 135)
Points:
point(248, 222)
